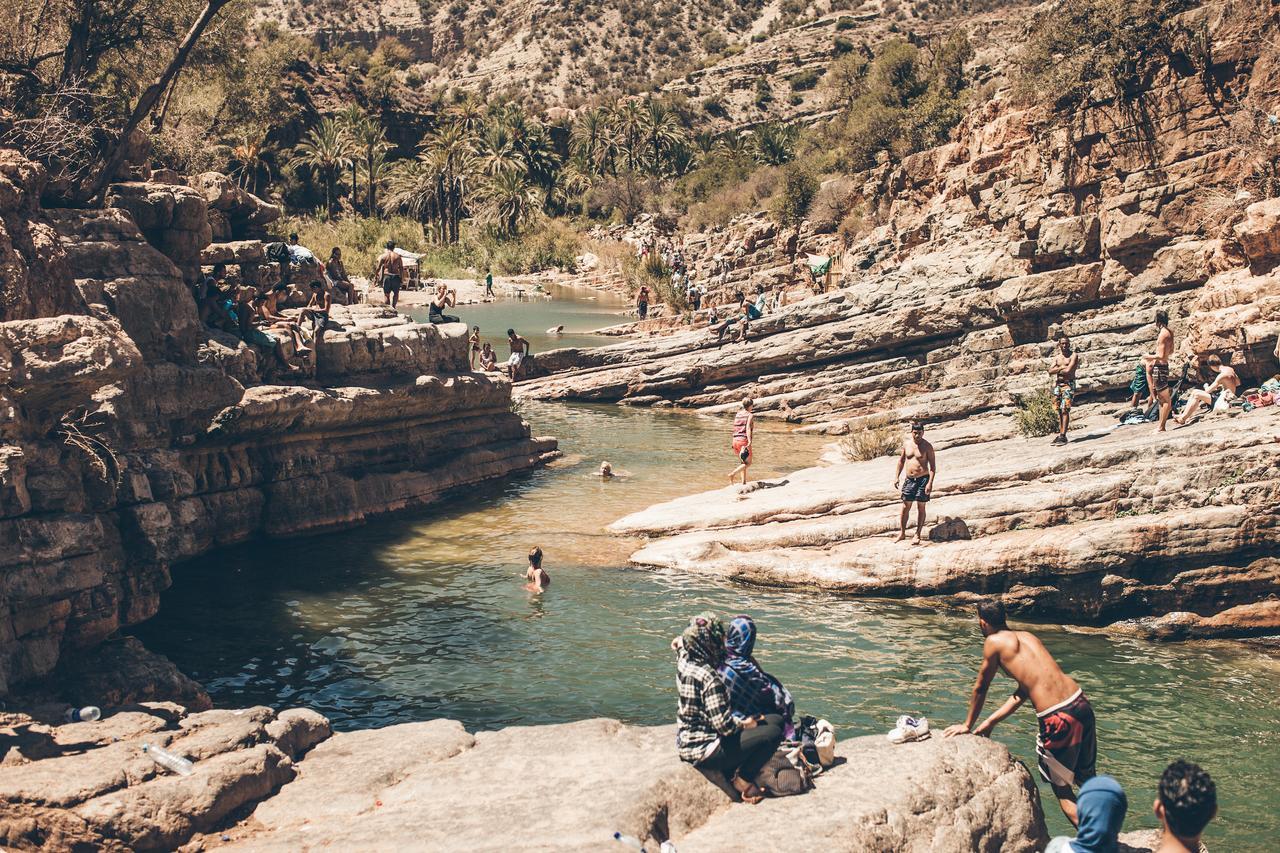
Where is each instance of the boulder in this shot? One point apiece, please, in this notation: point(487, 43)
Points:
point(1049, 292)
point(55, 363)
point(1259, 233)
point(432, 785)
point(173, 218)
point(1067, 238)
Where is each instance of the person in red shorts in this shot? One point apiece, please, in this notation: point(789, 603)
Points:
point(1067, 744)
point(744, 426)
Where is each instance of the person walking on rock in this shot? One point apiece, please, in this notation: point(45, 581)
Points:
point(1157, 365)
point(642, 302)
point(520, 350)
point(1063, 372)
point(708, 736)
point(1067, 743)
point(921, 465)
point(744, 428)
point(390, 274)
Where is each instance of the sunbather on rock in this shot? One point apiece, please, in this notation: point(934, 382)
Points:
point(708, 736)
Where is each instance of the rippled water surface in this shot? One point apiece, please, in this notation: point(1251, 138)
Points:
point(424, 616)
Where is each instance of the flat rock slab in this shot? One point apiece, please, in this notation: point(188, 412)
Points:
point(433, 786)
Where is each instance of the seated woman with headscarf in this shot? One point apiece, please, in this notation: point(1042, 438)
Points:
point(752, 691)
point(708, 736)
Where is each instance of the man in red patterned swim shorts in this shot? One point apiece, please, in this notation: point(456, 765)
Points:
point(1067, 744)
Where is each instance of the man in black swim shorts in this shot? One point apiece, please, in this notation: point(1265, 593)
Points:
point(921, 465)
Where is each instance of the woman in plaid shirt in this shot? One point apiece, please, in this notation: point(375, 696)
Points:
point(708, 736)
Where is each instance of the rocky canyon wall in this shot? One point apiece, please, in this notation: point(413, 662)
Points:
point(975, 251)
point(134, 437)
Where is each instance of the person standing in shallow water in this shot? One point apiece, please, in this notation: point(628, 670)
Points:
point(1067, 743)
point(921, 465)
point(537, 577)
point(744, 427)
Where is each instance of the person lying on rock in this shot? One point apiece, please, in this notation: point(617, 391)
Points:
point(1067, 744)
point(1223, 389)
point(1063, 373)
point(752, 691)
point(708, 735)
point(1101, 806)
point(921, 464)
point(248, 318)
point(1187, 801)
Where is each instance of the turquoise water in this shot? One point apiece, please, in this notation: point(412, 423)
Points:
point(425, 616)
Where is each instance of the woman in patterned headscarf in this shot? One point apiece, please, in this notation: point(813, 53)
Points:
point(708, 735)
point(751, 690)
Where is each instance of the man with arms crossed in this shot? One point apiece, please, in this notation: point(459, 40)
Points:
point(1157, 366)
point(1063, 372)
point(922, 466)
point(1067, 743)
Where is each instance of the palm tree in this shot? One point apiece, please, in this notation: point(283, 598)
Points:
point(348, 117)
point(375, 171)
point(468, 113)
point(588, 140)
point(497, 149)
point(324, 150)
point(434, 186)
point(541, 162)
point(774, 144)
point(629, 119)
point(662, 132)
point(252, 156)
point(367, 137)
point(510, 200)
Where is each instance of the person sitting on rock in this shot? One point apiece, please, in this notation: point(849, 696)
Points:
point(214, 306)
point(1101, 807)
point(268, 309)
point(1225, 385)
point(752, 691)
point(734, 314)
point(444, 297)
point(336, 272)
point(488, 358)
point(1187, 801)
point(317, 311)
point(708, 735)
point(1067, 744)
point(249, 317)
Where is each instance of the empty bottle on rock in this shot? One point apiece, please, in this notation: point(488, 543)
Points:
point(168, 760)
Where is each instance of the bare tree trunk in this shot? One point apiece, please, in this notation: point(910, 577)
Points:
point(152, 94)
point(157, 122)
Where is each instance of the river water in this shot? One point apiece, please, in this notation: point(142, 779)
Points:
point(424, 616)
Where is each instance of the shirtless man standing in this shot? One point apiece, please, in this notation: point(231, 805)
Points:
point(1227, 383)
point(1063, 372)
point(519, 351)
point(390, 274)
point(1157, 366)
point(1067, 744)
point(922, 466)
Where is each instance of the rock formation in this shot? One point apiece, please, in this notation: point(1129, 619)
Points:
point(975, 250)
point(1116, 525)
point(135, 437)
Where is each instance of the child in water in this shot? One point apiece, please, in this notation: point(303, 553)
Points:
point(538, 579)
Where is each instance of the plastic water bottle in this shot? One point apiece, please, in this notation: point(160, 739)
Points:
point(168, 760)
point(629, 840)
point(87, 714)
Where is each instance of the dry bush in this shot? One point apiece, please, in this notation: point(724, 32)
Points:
point(1037, 415)
point(873, 438)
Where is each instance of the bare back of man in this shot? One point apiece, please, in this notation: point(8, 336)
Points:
point(1024, 658)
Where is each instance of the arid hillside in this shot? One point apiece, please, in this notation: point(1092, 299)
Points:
point(565, 54)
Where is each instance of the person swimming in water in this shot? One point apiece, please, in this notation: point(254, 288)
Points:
point(537, 577)
point(607, 472)
point(556, 331)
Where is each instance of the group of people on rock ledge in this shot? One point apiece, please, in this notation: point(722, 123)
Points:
point(732, 718)
point(1215, 385)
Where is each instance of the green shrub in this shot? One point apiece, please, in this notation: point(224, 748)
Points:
point(1037, 415)
point(873, 438)
point(803, 81)
point(844, 23)
point(799, 186)
point(842, 45)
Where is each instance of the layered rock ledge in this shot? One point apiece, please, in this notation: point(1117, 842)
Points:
point(1176, 531)
point(137, 437)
